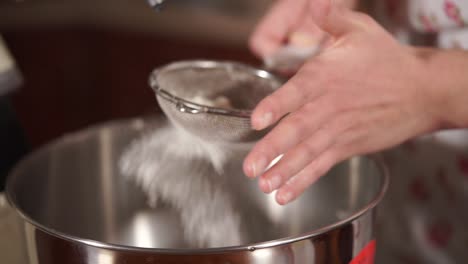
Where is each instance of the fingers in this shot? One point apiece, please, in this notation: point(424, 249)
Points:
point(274, 29)
point(346, 145)
point(347, 136)
point(293, 129)
point(290, 97)
point(290, 132)
point(309, 175)
point(297, 159)
point(306, 33)
point(338, 136)
point(337, 20)
point(332, 135)
point(289, 16)
point(330, 17)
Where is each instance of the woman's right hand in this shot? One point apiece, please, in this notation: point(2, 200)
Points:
point(363, 93)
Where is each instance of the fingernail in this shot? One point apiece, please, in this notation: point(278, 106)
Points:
point(274, 182)
point(265, 120)
point(259, 166)
point(285, 197)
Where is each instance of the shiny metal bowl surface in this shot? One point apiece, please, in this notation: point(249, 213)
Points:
point(77, 208)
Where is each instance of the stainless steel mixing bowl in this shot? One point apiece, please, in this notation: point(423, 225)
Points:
point(77, 208)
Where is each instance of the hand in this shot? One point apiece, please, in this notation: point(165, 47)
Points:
point(290, 22)
point(363, 93)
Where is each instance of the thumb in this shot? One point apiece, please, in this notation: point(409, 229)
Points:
point(333, 17)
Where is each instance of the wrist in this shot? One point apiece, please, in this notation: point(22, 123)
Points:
point(444, 78)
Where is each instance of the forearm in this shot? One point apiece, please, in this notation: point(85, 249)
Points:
point(446, 75)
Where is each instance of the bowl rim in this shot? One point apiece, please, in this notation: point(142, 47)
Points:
point(139, 124)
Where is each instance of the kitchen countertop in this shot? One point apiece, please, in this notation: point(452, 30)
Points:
point(12, 246)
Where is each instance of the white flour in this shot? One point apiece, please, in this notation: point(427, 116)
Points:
point(173, 166)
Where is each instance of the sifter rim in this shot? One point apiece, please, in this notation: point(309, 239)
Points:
point(189, 107)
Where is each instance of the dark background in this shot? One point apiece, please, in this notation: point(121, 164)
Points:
point(77, 77)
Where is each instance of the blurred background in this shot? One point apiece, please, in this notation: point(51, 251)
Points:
point(88, 61)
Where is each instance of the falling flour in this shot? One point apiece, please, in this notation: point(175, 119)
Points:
point(188, 173)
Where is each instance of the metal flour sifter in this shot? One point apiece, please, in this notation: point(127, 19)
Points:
point(180, 85)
